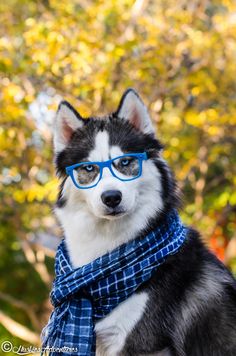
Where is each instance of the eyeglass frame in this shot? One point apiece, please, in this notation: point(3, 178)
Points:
point(103, 164)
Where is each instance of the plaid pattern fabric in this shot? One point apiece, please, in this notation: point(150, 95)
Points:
point(83, 295)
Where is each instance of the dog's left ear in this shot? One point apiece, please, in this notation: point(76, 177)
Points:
point(132, 108)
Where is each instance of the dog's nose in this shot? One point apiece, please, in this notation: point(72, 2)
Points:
point(111, 198)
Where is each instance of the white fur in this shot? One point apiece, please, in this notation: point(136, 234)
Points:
point(101, 148)
point(112, 331)
point(134, 110)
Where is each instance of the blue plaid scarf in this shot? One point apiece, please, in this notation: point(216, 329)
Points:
point(83, 295)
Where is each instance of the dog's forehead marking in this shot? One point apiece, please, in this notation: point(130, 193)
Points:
point(102, 150)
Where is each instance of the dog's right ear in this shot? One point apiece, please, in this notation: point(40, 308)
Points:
point(67, 121)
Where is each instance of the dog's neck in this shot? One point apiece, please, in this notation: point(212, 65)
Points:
point(88, 237)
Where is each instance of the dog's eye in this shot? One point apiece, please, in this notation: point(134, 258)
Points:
point(89, 168)
point(125, 162)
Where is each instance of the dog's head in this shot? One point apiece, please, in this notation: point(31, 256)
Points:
point(128, 130)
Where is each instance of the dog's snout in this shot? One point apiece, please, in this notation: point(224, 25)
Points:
point(111, 198)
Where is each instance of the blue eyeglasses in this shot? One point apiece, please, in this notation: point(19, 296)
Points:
point(87, 175)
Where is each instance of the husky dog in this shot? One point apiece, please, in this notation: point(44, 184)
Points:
point(188, 307)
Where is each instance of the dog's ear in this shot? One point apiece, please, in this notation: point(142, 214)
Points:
point(67, 121)
point(132, 108)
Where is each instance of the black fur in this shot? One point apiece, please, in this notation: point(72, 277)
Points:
point(212, 332)
point(61, 201)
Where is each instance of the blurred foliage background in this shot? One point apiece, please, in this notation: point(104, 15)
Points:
point(180, 56)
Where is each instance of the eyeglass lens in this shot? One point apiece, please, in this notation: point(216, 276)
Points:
point(125, 167)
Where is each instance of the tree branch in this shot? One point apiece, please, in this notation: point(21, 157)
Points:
point(19, 330)
point(21, 305)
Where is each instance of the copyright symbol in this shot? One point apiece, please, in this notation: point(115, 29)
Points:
point(6, 346)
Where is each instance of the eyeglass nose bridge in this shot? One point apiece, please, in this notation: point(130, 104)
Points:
point(103, 165)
